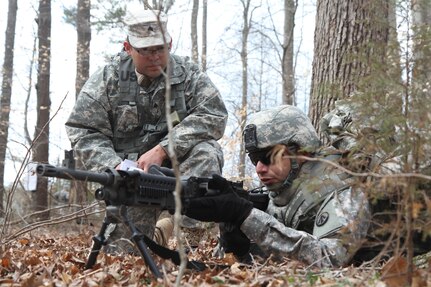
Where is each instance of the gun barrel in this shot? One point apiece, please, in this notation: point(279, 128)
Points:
point(48, 170)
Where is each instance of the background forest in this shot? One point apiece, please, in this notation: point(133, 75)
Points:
point(372, 54)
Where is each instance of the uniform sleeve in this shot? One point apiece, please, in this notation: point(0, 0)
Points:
point(88, 126)
point(206, 118)
point(333, 249)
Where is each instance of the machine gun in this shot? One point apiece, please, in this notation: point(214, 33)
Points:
point(122, 188)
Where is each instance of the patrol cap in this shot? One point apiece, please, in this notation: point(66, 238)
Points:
point(284, 124)
point(146, 28)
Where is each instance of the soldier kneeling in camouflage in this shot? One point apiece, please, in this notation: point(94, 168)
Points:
point(119, 117)
point(315, 212)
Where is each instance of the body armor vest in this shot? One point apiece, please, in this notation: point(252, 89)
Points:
point(138, 114)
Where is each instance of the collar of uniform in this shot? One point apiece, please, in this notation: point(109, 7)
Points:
point(143, 80)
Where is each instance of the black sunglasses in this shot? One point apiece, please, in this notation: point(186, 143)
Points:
point(262, 155)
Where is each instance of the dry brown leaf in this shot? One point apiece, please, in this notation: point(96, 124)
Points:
point(229, 259)
point(24, 241)
point(32, 260)
point(394, 272)
point(416, 209)
point(5, 262)
point(74, 270)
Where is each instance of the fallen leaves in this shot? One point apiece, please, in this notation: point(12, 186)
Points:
point(51, 258)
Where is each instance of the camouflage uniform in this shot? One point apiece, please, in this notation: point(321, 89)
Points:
point(317, 216)
point(368, 146)
point(114, 117)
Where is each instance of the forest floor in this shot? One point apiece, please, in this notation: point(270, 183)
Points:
point(56, 255)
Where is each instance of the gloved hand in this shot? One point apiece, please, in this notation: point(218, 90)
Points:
point(232, 239)
point(226, 207)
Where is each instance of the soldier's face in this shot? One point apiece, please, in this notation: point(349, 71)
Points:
point(150, 61)
point(274, 172)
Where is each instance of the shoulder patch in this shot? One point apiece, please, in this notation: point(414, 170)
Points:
point(322, 218)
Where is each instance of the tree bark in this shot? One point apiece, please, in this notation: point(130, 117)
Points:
point(350, 37)
point(41, 139)
point(204, 35)
point(421, 11)
point(78, 191)
point(83, 28)
point(288, 72)
point(6, 91)
point(194, 31)
point(244, 63)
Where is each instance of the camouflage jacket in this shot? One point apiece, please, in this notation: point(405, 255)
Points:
point(321, 220)
point(104, 125)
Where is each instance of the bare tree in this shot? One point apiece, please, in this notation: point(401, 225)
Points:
point(78, 192)
point(162, 5)
point(288, 72)
point(41, 138)
point(194, 31)
point(246, 21)
point(29, 90)
point(83, 28)
point(6, 91)
point(204, 34)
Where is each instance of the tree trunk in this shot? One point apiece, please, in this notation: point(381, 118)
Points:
point(421, 11)
point(350, 37)
point(194, 31)
point(244, 63)
point(83, 28)
point(6, 91)
point(204, 34)
point(288, 72)
point(78, 191)
point(41, 139)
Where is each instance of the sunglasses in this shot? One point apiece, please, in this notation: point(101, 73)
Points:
point(263, 155)
point(158, 50)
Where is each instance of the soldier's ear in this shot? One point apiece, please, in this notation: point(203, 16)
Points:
point(127, 47)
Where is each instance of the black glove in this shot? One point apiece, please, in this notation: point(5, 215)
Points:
point(225, 207)
point(232, 239)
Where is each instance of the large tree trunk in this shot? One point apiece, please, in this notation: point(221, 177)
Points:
point(288, 72)
point(41, 139)
point(6, 91)
point(350, 37)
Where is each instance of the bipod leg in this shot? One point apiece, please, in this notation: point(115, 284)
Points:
point(98, 241)
point(139, 242)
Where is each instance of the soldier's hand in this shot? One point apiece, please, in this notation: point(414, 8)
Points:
point(232, 239)
point(226, 207)
point(156, 156)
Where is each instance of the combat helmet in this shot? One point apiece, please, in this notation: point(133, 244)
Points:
point(285, 125)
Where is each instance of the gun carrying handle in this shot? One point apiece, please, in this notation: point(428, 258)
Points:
point(160, 170)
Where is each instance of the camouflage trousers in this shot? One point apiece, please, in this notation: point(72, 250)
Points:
point(205, 159)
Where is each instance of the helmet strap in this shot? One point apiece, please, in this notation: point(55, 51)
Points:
point(293, 173)
point(287, 183)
